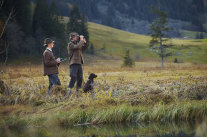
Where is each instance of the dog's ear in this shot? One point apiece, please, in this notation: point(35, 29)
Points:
point(90, 76)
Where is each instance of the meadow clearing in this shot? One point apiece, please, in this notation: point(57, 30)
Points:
point(115, 42)
point(122, 95)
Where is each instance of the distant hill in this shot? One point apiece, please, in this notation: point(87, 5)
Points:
point(136, 16)
point(114, 42)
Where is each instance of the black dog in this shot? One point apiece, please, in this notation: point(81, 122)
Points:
point(90, 83)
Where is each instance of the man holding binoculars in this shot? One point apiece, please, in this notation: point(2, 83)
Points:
point(75, 47)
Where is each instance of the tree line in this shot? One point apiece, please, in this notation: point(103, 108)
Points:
point(24, 25)
point(104, 12)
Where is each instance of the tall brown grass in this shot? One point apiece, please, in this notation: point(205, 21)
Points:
point(142, 93)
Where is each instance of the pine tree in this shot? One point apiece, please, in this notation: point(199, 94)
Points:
point(197, 36)
point(58, 30)
point(78, 22)
point(84, 27)
point(201, 35)
point(91, 50)
point(24, 15)
point(46, 24)
point(158, 31)
point(57, 27)
point(54, 10)
point(74, 24)
point(128, 62)
point(42, 18)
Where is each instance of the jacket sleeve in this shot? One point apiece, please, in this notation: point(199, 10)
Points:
point(77, 46)
point(49, 60)
point(85, 46)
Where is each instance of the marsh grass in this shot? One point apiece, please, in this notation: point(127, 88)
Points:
point(140, 94)
point(173, 112)
point(182, 111)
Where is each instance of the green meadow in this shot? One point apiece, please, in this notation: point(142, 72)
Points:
point(117, 41)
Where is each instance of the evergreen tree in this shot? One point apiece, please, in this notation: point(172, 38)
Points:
point(58, 30)
point(158, 31)
point(103, 49)
point(23, 15)
point(175, 60)
point(46, 23)
point(54, 10)
point(91, 50)
point(14, 40)
point(57, 27)
point(78, 23)
point(74, 24)
point(42, 23)
point(84, 27)
point(128, 62)
point(197, 36)
point(201, 35)
point(18, 39)
point(42, 18)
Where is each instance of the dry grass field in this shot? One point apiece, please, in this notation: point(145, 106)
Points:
point(144, 92)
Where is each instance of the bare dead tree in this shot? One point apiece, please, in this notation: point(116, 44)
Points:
point(7, 21)
point(10, 16)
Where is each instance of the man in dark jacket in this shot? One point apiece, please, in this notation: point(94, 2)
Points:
point(75, 47)
point(50, 64)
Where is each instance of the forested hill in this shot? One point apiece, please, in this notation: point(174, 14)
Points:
point(136, 15)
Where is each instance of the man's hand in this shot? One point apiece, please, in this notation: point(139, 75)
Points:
point(82, 38)
point(58, 60)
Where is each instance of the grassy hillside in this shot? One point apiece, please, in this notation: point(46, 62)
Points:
point(117, 41)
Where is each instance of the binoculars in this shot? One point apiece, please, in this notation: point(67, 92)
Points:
point(79, 38)
point(61, 59)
